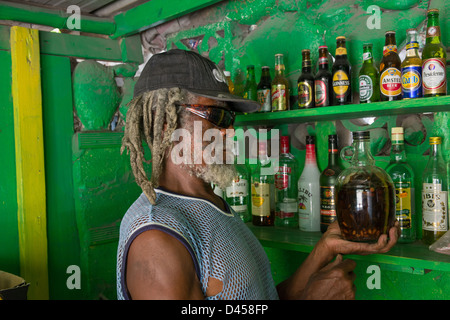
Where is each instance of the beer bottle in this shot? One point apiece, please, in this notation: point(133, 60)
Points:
point(433, 57)
point(305, 83)
point(341, 75)
point(322, 80)
point(263, 90)
point(227, 75)
point(390, 70)
point(369, 77)
point(250, 84)
point(280, 86)
point(412, 67)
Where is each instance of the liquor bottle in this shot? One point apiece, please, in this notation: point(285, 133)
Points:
point(263, 190)
point(328, 185)
point(286, 214)
point(341, 75)
point(237, 194)
point(322, 80)
point(434, 58)
point(390, 70)
point(369, 77)
point(305, 83)
point(403, 177)
point(263, 90)
point(434, 195)
point(280, 86)
point(230, 84)
point(412, 67)
point(309, 190)
point(250, 84)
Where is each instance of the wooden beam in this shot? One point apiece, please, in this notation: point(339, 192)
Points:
point(29, 146)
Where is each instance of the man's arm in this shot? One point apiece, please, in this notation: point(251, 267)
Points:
point(160, 267)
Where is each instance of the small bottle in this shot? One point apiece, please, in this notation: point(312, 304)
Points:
point(369, 77)
point(328, 185)
point(250, 84)
point(390, 70)
point(237, 194)
point(403, 177)
point(280, 86)
point(305, 83)
point(412, 67)
point(263, 189)
point(286, 188)
point(263, 90)
point(323, 80)
point(341, 75)
point(434, 195)
point(227, 75)
point(309, 190)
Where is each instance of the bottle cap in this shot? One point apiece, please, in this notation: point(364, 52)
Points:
point(411, 30)
point(358, 135)
point(340, 38)
point(390, 31)
point(323, 47)
point(332, 137)
point(435, 140)
point(397, 130)
point(310, 140)
point(284, 142)
point(433, 11)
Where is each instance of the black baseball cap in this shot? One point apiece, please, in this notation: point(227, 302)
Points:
point(190, 71)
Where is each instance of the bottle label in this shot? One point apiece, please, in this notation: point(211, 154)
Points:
point(367, 56)
point(434, 31)
point(304, 202)
point(322, 61)
point(239, 208)
point(434, 208)
point(283, 177)
point(279, 96)
point(327, 204)
point(261, 199)
point(391, 82)
point(412, 45)
point(238, 188)
point(433, 76)
point(341, 83)
point(286, 209)
point(411, 82)
point(320, 93)
point(305, 95)
point(341, 51)
point(365, 88)
point(403, 204)
point(389, 48)
point(264, 100)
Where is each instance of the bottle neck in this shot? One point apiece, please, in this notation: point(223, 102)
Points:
point(435, 153)
point(333, 154)
point(306, 66)
point(398, 153)
point(412, 48)
point(362, 155)
point(433, 29)
point(310, 154)
point(368, 56)
point(251, 75)
point(279, 69)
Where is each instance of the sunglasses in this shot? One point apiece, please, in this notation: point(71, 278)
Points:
point(219, 117)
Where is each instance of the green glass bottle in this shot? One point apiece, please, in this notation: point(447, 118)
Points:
point(403, 177)
point(369, 77)
point(250, 91)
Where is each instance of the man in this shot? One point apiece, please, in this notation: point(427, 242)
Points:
point(181, 241)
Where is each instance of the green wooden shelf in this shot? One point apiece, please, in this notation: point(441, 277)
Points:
point(411, 258)
point(352, 111)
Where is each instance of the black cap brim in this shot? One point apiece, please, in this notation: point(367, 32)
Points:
point(235, 103)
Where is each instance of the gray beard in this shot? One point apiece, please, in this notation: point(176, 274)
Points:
point(221, 175)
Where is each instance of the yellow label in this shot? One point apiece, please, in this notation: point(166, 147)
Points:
point(403, 206)
point(341, 51)
point(340, 82)
point(391, 82)
point(260, 199)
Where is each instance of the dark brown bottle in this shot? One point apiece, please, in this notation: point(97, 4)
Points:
point(323, 81)
point(305, 83)
point(390, 70)
point(341, 75)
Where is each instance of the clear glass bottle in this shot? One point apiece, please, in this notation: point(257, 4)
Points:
point(309, 190)
point(412, 67)
point(434, 195)
point(403, 177)
point(286, 214)
point(280, 86)
point(365, 194)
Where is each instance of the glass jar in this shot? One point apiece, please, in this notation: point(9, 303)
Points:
point(365, 194)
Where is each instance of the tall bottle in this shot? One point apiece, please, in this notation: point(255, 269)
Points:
point(286, 214)
point(263, 189)
point(369, 77)
point(412, 67)
point(237, 194)
point(328, 185)
point(341, 75)
point(305, 83)
point(263, 90)
point(250, 84)
point(309, 190)
point(323, 80)
point(230, 84)
point(403, 177)
point(280, 86)
point(434, 195)
point(390, 70)
point(434, 58)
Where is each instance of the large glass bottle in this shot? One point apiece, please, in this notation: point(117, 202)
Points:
point(263, 90)
point(434, 195)
point(434, 58)
point(328, 185)
point(369, 77)
point(280, 86)
point(341, 75)
point(390, 70)
point(237, 194)
point(263, 189)
point(305, 83)
point(323, 80)
point(250, 84)
point(403, 177)
point(309, 190)
point(412, 67)
point(286, 214)
point(365, 194)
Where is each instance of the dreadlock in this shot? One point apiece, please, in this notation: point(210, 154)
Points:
point(145, 120)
